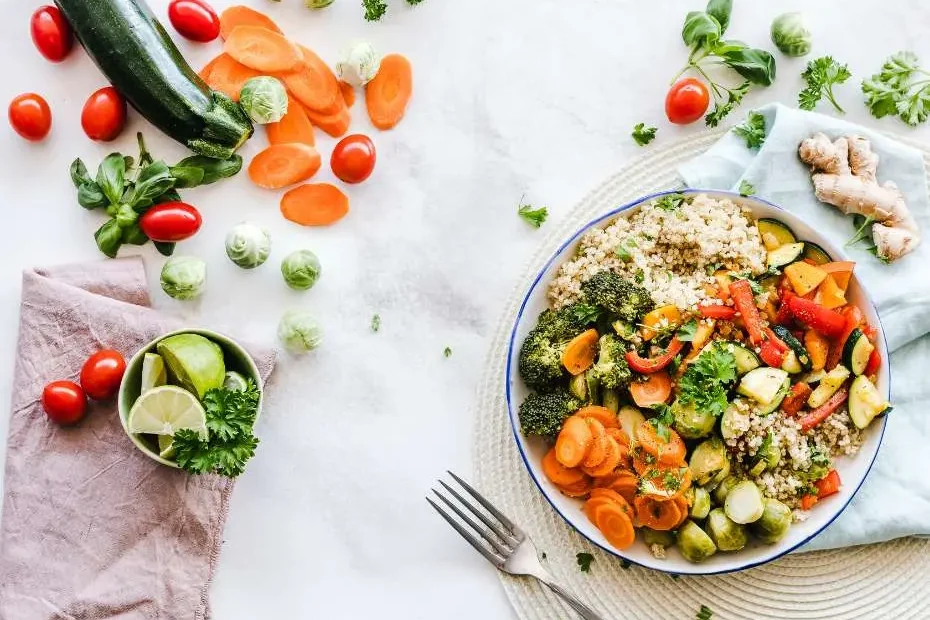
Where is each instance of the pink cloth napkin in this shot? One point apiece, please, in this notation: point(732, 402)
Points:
point(91, 528)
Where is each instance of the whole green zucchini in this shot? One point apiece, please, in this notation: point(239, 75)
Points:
point(140, 60)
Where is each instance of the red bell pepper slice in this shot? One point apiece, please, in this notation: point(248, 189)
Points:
point(796, 398)
point(717, 311)
point(746, 306)
point(875, 362)
point(783, 316)
point(771, 354)
point(810, 313)
point(824, 411)
point(646, 365)
point(853, 318)
point(828, 485)
point(778, 342)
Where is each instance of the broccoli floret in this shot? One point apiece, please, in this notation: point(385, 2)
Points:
point(622, 298)
point(542, 413)
point(611, 369)
point(541, 354)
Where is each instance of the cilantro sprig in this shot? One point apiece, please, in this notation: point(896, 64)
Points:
point(821, 75)
point(901, 88)
point(533, 217)
point(752, 130)
point(644, 135)
point(670, 202)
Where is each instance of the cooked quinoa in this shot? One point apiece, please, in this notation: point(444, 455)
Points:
point(673, 253)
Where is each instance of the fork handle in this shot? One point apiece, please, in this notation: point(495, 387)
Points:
point(583, 610)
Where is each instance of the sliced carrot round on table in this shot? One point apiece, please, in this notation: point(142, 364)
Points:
point(615, 525)
point(573, 442)
point(262, 49)
point(602, 414)
point(610, 462)
point(599, 444)
point(348, 93)
point(335, 125)
point(669, 452)
point(281, 165)
point(558, 474)
point(315, 204)
point(239, 15)
point(293, 127)
point(227, 75)
point(314, 84)
point(387, 95)
point(657, 515)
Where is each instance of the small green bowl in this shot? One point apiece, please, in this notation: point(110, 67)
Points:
point(235, 356)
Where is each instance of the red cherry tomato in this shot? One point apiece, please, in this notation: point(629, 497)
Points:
point(51, 33)
point(104, 115)
point(64, 402)
point(102, 373)
point(194, 19)
point(353, 158)
point(170, 221)
point(686, 101)
point(30, 116)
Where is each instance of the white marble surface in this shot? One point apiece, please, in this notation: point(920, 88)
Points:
point(521, 96)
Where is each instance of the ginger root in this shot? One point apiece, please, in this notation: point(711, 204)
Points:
point(844, 175)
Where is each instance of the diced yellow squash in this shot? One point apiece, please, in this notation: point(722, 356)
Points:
point(722, 276)
point(830, 293)
point(841, 271)
point(661, 319)
point(804, 277)
point(770, 241)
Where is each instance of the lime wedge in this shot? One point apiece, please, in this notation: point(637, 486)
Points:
point(194, 362)
point(166, 409)
point(235, 382)
point(166, 446)
point(153, 371)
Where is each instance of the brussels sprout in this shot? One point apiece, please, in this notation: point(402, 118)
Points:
point(301, 269)
point(358, 64)
point(707, 459)
point(774, 522)
point(299, 331)
point(183, 277)
point(611, 400)
point(734, 421)
point(690, 422)
point(693, 543)
point(655, 537)
point(248, 245)
point(630, 419)
point(791, 35)
point(317, 4)
point(700, 505)
point(768, 456)
point(723, 489)
point(727, 535)
point(264, 99)
point(743, 503)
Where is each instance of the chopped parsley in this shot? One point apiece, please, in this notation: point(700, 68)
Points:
point(447, 352)
point(376, 323)
point(670, 202)
point(584, 561)
point(586, 313)
point(752, 130)
point(644, 135)
point(674, 365)
point(625, 564)
point(663, 420)
point(533, 217)
point(746, 188)
point(687, 331)
point(623, 254)
point(374, 9)
point(708, 379)
point(704, 613)
point(639, 276)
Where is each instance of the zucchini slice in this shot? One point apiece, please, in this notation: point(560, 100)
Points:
point(802, 357)
point(744, 503)
point(828, 386)
point(857, 351)
point(865, 403)
point(746, 359)
point(816, 253)
point(762, 384)
point(785, 254)
point(791, 365)
point(578, 386)
point(774, 233)
point(773, 404)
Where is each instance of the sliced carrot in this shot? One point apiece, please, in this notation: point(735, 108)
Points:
point(348, 93)
point(620, 435)
point(603, 415)
point(613, 497)
point(654, 390)
point(573, 442)
point(684, 507)
point(236, 16)
point(294, 127)
point(626, 484)
point(615, 525)
point(315, 204)
point(657, 515)
point(313, 83)
point(207, 68)
point(228, 76)
point(666, 452)
point(664, 482)
point(281, 165)
point(580, 351)
point(262, 49)
point(388, 94)
point(558, 474)
point(335, 125)
point(600, 444)
point(611, 460)
point(818, 347)
point(579, 489)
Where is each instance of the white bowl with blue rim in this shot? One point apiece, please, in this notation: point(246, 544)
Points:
point(852, 470)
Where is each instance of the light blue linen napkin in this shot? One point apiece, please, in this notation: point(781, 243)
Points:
point(895, 499)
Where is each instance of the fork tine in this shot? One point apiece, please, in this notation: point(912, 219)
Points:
point(489, 555)
point(487, 505)
point(488, 536)
point(495, 526)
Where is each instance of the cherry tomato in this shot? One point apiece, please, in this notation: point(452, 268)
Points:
point(30, 116)
point(686, 101)
point(104, 115)
point(102, 373)
point(170, 221)
point(353, 158)
point(194, 19)
point(64, 402)
point(51, 33)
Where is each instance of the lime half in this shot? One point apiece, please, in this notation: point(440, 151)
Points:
point(166, 447)
point(235, 382)
point(166, 409)
point(153, 372)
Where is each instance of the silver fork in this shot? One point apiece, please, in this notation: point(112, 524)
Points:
point(505, 545)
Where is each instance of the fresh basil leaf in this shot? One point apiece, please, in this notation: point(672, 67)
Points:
point(90, 197)
point(213, 169)
point(133, 235)
point(111, 175)
point(757, 66)
point(109, 237)
point(730, 45)
point(126, 216)
point(164, 248)
point(171, 195)
point(700, 30)
point(720, 10)
point(186, 176)
point(154, 180)
point(129, 162)
point(79, 174)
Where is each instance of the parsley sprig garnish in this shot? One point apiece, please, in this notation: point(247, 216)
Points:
point(821, 75)
point(670, 202)
point(752, 130)
point(533, 217)
point(644, 135)
point(707, 380)
point(901, 88)
point(584, 561)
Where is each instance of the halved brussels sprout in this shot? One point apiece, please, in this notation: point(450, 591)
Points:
point(726, 534)
point(767, 457)
point(655, 537)
point(690, 422)
point(630, 419)
point(708, 459)
point(693, 543)
point(774, 522)
point(723, 489)
point(700, 506)
point(733, 420)
point(743, 503)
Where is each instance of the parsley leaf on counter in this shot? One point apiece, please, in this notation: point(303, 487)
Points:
point(533, 217)
point(584, 561)
point(376, 323)
point(894, 89)
point(644, 135)
point(374, 9)
point(752, 130)
point(821, 75)
point(704, 613)
point(707, 380)
point(447, 352)
point(734, 98)
point(746, 188)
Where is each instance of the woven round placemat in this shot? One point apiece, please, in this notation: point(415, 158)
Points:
point(888, 580)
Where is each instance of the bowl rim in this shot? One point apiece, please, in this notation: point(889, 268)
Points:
point(511, 355)
point(136, 359)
